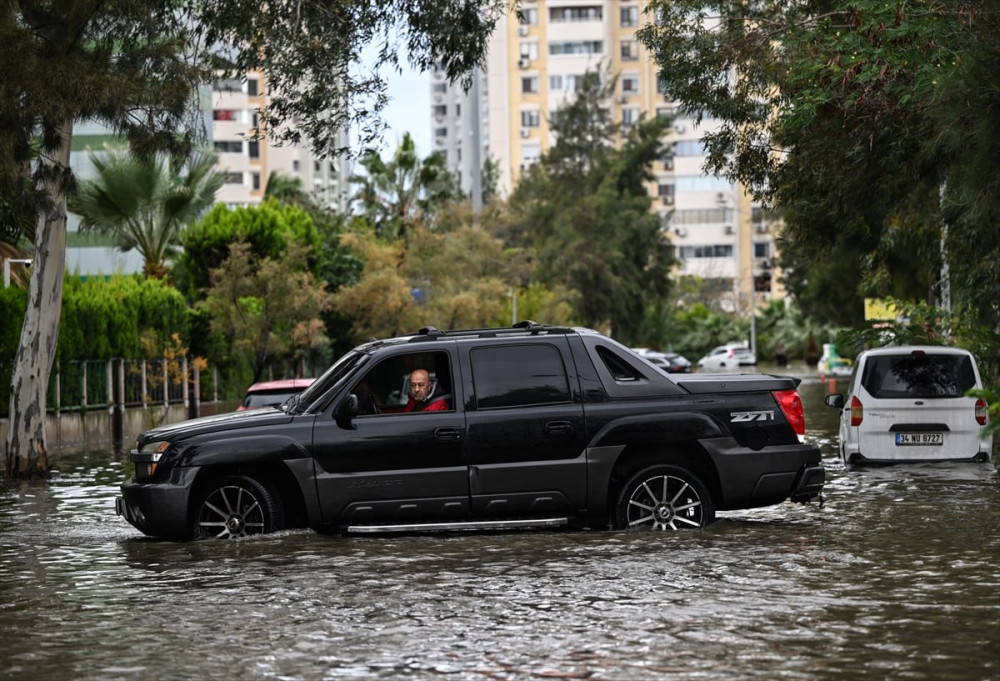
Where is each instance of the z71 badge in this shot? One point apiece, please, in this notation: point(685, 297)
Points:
point(748, 416)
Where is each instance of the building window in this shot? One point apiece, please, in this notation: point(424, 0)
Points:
point(666, 193)
point(253, 149)
point(228, 85)
point(577, 47)
point(630, 85)
point(699, 216)
point(629, 16)
point(440, 109)
point(668, 161)
point(255, 178)
point(590, 13)
point(528, 49)
point(531, 118)
point(295, 165)
point(252, 87)
point(529, 85)
point(669, 112)
point(439, 88)
point(629, 50)
point(226, 115)
point(234, 178)
point(709, 251)
point(689, 148)
point(762, 250)
point(629, 118)
point(440, 132)
point(528, 17)
point(228, 146)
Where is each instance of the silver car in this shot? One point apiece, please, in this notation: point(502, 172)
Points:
point(727, 357)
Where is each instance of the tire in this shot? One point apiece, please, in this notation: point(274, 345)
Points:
point(663, 497)
point(237, 506)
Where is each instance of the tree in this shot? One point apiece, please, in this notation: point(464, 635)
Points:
point(868, 124)
point(395, 194)
point(145, 203)
point(586, 211)
point(137, 66)
point(266, 308)
point(268, 229)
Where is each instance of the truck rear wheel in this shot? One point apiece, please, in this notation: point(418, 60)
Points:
point(663, 497)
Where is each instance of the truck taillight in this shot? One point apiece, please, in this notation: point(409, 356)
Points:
point(791, 405)
point(982, 413)
point(857, 411)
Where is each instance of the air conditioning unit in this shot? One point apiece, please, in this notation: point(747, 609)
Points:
point(729, 229)
point(680, 231)
point(523, 63)
point(522, 30)
point(761, 228)
point(525, 132)
point(679, 128)
point(667, 199)
point(622, 99)
point(721, 197)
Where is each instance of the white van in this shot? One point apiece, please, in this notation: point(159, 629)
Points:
point(908, 404)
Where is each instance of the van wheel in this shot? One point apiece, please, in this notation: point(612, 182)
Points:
point(237, 506)
point(663, 497)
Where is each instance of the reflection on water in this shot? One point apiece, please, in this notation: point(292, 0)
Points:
point(895, 577)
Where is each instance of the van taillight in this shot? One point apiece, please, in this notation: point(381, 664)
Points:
point(857, 411)
point(791, 405)
point(981, 412)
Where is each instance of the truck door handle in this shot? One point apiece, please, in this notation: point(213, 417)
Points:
point(448, 434)
point(558, 427)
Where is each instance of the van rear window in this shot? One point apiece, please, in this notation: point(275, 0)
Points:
point(926, 376)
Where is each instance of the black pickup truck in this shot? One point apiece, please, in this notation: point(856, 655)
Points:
point(527, 426)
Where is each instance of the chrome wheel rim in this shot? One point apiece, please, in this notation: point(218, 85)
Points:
point(230, 511)
point(664, 502)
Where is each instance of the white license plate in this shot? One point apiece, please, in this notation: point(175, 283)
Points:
point(903, 439)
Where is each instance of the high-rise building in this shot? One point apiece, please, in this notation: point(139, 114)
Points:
point(231, 116)
point(248, 162)
point(536, 62)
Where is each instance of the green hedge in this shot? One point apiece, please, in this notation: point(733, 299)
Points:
point(122, 316)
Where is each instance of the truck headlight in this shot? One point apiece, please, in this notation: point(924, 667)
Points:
point(148, 458)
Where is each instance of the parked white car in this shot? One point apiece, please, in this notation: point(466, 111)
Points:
point(908, 404)
point(727, 357)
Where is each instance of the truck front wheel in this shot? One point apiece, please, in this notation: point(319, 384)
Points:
point(663, 497)
point(237, 506)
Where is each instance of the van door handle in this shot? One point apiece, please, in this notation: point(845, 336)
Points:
point(558, 427)
point(448, 434)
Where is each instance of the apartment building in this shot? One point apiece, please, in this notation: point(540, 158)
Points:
point(536, 61)
point(248, 162)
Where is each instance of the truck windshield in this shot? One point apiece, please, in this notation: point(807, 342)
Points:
point(322, 385)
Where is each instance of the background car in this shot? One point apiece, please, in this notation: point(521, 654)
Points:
point(670, 362)
point(908, 404)
point(728, 356)
point(272, 393)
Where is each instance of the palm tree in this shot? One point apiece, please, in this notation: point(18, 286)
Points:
point(394, 194)
point(145, 203)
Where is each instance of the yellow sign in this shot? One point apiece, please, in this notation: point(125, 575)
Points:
point(875, 308)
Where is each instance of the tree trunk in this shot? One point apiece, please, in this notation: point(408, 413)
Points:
point(26, 445)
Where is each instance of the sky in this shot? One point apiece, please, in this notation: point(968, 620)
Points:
point(409, 110)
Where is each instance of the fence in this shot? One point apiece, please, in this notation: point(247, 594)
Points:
point(96, 403)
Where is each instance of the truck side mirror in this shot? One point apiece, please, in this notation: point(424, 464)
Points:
point(346, 411)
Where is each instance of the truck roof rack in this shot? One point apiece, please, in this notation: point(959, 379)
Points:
point(525, 327)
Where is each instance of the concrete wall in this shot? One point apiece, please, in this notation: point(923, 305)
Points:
point(93, 430)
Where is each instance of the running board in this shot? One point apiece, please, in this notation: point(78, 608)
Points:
point(453, 526)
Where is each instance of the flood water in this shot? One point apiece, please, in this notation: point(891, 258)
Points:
point(897, 576)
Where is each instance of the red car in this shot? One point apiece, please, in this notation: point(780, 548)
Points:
point(272, 393)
